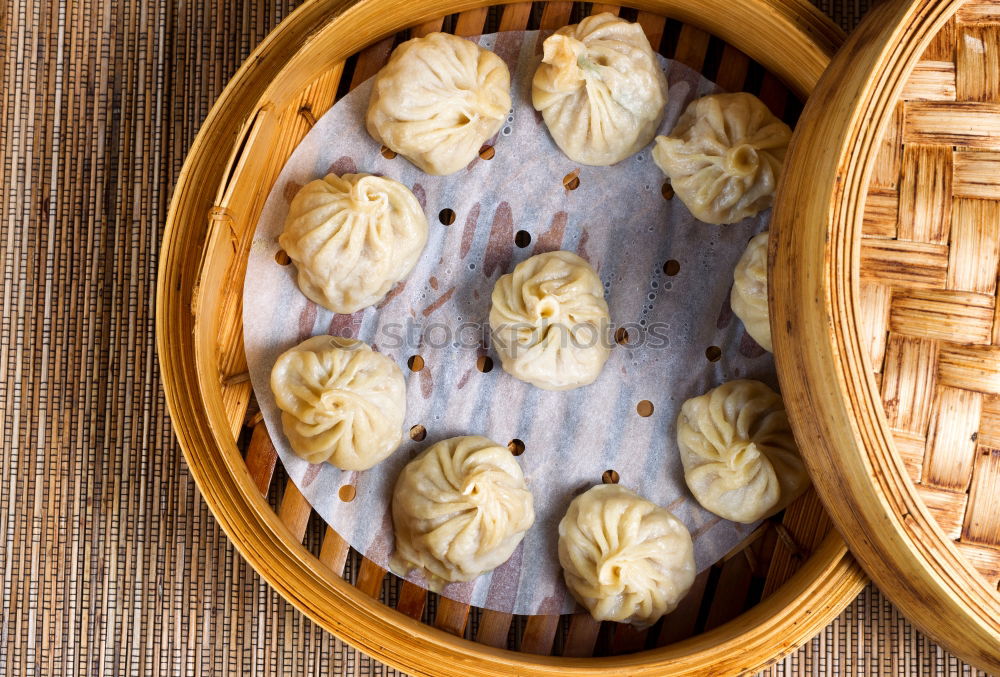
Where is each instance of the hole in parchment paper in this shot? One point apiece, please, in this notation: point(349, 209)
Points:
point(487, 152)
point(347, 493)
point(713, 353)
point(388, 153)
point(621, 336)
point(415, 363)
point(418, 433)
point(522, 238)
point(610, 477)
point(484, 364)
point(282, 258)
point(516, 446)
point(644, 408)
point(447, 216)
point(667, 191)
point(671, 267)
point(572, 180)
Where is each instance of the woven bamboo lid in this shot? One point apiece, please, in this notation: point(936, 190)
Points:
point(929, 251)
point(887, 249)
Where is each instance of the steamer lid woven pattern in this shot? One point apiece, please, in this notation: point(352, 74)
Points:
point(929, 257)
point(885, 261)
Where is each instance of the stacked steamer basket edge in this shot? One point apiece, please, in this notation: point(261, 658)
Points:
point(894, 286)
point(766, 597)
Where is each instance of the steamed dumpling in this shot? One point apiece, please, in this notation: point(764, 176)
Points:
point(724, 156)
point(749, 296)
point(353, 237)
point(438, 100)
point(600, 89)
point(459, 510)
point(740, 459)
point(624, 558)
point(550, 320)
point(340, 402)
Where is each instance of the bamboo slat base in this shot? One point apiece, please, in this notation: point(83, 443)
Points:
point(110, 562)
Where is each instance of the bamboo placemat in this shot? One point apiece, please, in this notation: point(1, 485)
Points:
point(111, 562)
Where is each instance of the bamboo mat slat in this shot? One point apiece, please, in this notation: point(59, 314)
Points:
point(110, 562)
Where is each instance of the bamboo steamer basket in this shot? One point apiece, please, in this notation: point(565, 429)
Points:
point(769, 595)
point(885, 259)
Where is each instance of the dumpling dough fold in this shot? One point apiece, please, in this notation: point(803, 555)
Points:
point(438, 100)
point(749, 296)
point(624, 558)
point(340, 402)
point(459, 510)
point(353, 237)
point(550, 321)
point(724, 156)
point(600, 89)
point(739, 456)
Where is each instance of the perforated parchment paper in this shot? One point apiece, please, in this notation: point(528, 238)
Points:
point(667, 279)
